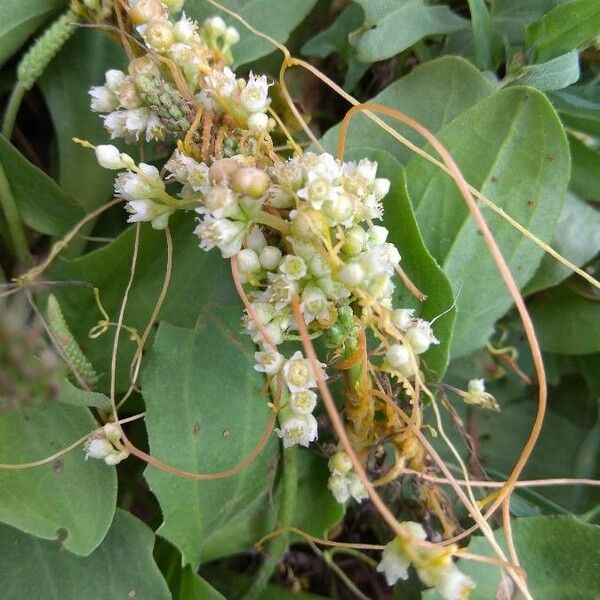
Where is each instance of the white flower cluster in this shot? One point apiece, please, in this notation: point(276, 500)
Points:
point(127, 116)
point(433, 564)
point(343, 483)
point(181, 43)
point(297, 424)
point(246, 101)
point(105, 444)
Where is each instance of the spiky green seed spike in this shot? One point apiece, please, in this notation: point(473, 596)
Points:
point(44, 49)
point(67, 342)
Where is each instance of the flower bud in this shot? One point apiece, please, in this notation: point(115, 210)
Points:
point(258, 123)
point(173, 6)
point(231, 37)
point(184, 30)
point(378, 234)
point(340, 209)
point(215, 26)
point(159, 34)
point(143, 11)
point(351, 274)
point(98, 448)
point(248, 261)
point(421, 337)
point(303, 403)
point(338, 486)
point(255, 240)
point(403, 318)
point(356, 487)
point(109, 157)
point(340, 463)
point(222, 169)
point(354, 242)
point(381, 187)
point(269, 257)
point(142, 65)
point(398, 356)
point(250, 181)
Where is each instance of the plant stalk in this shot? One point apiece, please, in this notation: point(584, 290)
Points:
point(18, 241)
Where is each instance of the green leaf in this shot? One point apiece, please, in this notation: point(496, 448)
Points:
point(512, 147)
point(585, 174)
point(417, 262)
point(205, 411)
point(511, 17)
point(18, 20)
point(487, 45)
point(122, 567)
point(433, 94)
point(571, 26)
point(579, 107)
point(390, 29)
point(80, 64)
point(272, 17)
point(566, 322)
point(559, 554)
point(555, 74)
point(41, 203)
point(71, 394)
point(192, 282)
point(69, 498)
point(577, 238)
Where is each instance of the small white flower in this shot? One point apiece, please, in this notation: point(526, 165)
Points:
point(313, 302)
point(256, 239)
point(215, 26)
point(258, 123)
point(441, 572)
point(340, 209)
point(378, 235)
point(356, 488)
point(321, 166)
point(297, 373)
point(109, 157)
point(355, 240)
point(351, 274)
point(303, 403)
point(219, 201)
point(339, 486)
point(144, 184)
point(98, 448)
point(340, 463)
point(221, 82)
point(420, 336)
point(297, 429)
point(318, 190)
point(185, 30)
point(146, 210)
point(281, 290)
point(288, 174)
point(114, 79)
point(477, 395)
point(380, 188)
point(225, 234)
point(103, 100)
point(293, 267)
point(187, 170)
point(398, 356)
point(230, 37)
point(403, 318)
point(269, 257)
point(394, 559)
point(268, 361)
point(255, 95)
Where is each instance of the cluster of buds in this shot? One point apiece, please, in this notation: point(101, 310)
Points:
point(433, 564)
point(343, 483)
point(105, 444)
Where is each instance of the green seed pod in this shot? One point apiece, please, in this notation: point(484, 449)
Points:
point(174, 112)
point(44, 49)
point(67, 342)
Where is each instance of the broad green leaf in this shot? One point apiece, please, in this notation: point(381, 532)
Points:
point(205, 411)
point(69, 498)
point(559, 554)
point(585, 173)
point(512, 147)
point(19, 19)
point(41, 203)
point(571, 26)
point(121, 567)
point(556, 74)
point(107, 269)
point(71, 394)
point(390, 29)
point(417, 262)
point(577, 238)
point(433, 94)
point(579, 108)
point(511, 17)
point(273, 17)
point(80, 64)
point(336, 39)
point(192, 587)
point(566, 321)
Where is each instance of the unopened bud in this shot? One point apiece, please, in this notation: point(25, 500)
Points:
point(270, 257)
point(144, 11)
point(250, 181)
point(159, 35)
point(340, 463)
